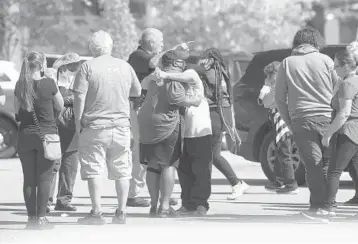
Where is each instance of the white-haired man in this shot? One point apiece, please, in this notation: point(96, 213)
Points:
point(102, 89)
point(143, 60)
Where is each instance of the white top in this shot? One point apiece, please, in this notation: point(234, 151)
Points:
point(197, 119)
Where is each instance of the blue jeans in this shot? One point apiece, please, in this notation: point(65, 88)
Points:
point(285, 173)
point(346, 153)
point(218, 160)
point(307, 133)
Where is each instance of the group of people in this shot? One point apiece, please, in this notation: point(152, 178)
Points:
point(141, 121)
point(313, 101)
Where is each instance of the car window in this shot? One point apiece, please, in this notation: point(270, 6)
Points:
point(243, 65)
point(331, 51)
point(4, 77)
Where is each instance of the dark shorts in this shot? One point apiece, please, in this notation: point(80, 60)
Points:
point(166, 152)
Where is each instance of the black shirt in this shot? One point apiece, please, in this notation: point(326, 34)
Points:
point(209, 81)
point(45, 90)
point(139, 60)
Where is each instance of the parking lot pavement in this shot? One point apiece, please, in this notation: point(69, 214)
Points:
point(256, 217)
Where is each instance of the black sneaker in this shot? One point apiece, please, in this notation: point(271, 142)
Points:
point(65, 207)
point(353, 201)
point(138, 202)
point(184, 211)
point(173, 202)
point(92, 219)
point(167, 213)
point(273, 186)
point(48, 208)
point(119, 218)
point(153, 212)
point(44, 224)
point(288, 190)
point(31, 223)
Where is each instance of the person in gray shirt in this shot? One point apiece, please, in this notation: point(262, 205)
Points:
point(304, 86)
point(102, 89)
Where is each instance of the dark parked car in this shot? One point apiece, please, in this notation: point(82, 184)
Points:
point(252, 119)
point(236, 62)
point(8, 125)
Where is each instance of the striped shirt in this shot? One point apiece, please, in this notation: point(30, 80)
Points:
point(282, 130)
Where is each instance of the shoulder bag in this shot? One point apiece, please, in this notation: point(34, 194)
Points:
point(51, 142)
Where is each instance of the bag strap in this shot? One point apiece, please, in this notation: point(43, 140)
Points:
point(34, 116)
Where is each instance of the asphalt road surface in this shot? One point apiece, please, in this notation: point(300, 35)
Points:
point(256, 217)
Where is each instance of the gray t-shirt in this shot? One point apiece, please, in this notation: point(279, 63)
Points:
point(159, 114)
point(108, 83)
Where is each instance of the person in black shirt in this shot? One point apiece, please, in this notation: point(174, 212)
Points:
point(36, 95)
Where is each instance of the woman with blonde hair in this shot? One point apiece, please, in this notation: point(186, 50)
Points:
point(36, 99)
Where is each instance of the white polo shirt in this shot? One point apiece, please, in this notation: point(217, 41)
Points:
point(197, 119)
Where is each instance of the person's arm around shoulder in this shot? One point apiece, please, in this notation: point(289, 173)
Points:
point(188, 76)
point(57, 97)
point(281, 92)
point(177, 96)
point(80, 89)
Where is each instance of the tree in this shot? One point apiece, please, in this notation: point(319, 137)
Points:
point(10, 20)
point(121, 25)
point(231, 24)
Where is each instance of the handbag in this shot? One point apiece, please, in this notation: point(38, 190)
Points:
point(51, 142)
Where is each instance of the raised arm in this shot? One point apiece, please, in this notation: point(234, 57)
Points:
point(154, 61)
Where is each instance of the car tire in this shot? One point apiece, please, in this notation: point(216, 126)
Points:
point(267, 156)
point(8, 138)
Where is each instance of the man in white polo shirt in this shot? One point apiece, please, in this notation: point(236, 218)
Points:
point(195, 165)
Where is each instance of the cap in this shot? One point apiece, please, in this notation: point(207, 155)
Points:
point(68, 58)
point(174, 55)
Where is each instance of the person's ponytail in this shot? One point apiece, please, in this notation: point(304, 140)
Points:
point(25, 89)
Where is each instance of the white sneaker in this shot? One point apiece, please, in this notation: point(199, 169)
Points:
point(238, 190)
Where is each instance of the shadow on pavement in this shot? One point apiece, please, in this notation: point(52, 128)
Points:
point(258, 219)
point(272, 219)
point(83, 214)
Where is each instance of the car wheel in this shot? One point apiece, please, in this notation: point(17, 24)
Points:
point(267, 159)
point(8, 138)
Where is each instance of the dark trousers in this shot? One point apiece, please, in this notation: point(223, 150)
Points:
point(194, 172)
point(354, 175)
point(283, 164)
point(307, 133)
point(38, 172)
point(67, 177)
point(345, 153)
point(217, 129)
